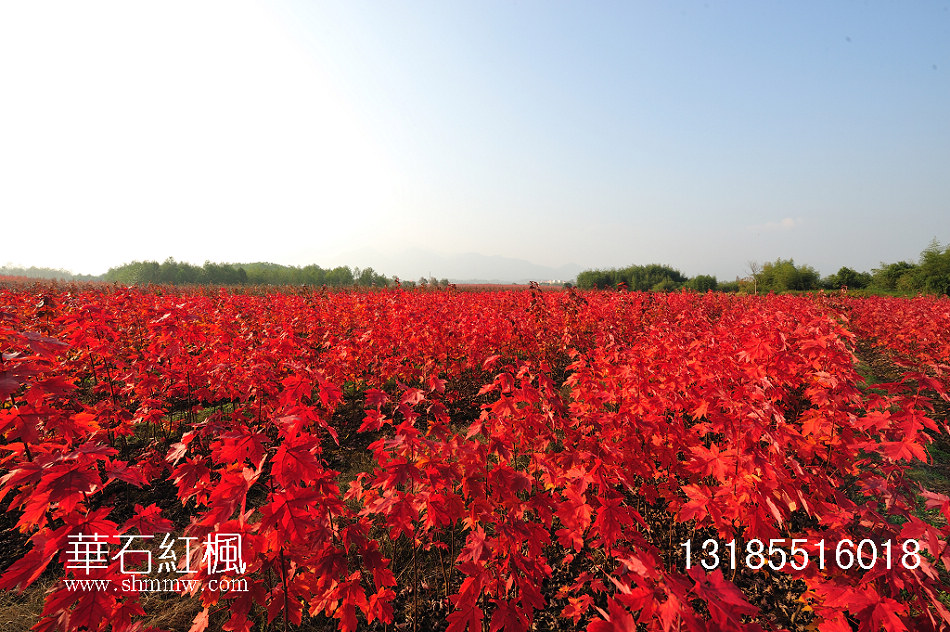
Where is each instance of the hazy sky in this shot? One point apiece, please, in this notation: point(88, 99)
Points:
point(598, 133)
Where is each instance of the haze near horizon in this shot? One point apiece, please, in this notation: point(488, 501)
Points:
point(701, 136)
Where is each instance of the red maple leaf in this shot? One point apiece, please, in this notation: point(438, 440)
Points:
point(619, 620)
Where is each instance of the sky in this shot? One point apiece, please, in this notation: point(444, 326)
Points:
point(601, 134)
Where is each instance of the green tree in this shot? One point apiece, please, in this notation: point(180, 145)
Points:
point(783, 275)
point(595, 279)
point(174, 272)
point(703, 283)
point(846, 277)
point(889, 275)
point(313, 275)
point(665, 285)
point(934, 269)
point(647, 277)
point(367, 277)
point(728, 286)
point(635, 277)
point(340, 276)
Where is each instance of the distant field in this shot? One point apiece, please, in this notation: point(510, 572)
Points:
point(459, 460)
point(490, 286)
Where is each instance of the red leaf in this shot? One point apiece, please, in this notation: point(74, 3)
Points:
point(25, 570)
point(376, 397)
point(619, 620)
point(148, 521)
point(68, 484)
point(295, 460)
point(468, 618)
point(507, 617)
point(200, 623)
point(577, 607)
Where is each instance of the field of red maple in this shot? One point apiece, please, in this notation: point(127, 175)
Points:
point(478, 461)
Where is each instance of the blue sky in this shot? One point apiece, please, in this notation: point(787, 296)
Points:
point(702, 135)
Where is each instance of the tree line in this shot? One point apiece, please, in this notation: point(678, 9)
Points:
point(52, 274)
point(181, 273)
point(173, 272)
point(930, 274)
point(655, 277)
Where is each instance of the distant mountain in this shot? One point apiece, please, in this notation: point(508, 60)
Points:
point(469, 267)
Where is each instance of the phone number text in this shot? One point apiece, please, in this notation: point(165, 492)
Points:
point(798, 553)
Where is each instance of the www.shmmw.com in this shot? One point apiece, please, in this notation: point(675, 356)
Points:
point(141, 585)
